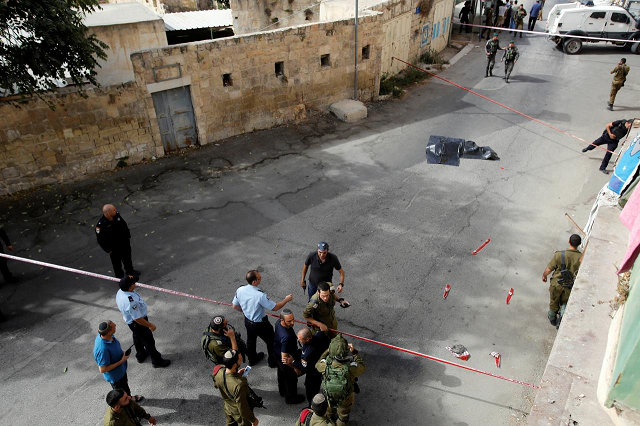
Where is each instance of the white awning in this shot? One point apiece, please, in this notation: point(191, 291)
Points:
point(199, 19)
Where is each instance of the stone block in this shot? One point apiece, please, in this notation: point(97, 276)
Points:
point(349, 110)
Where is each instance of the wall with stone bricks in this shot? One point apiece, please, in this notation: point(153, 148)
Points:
point(257, 98)
point(251, 16)
point(81, 136)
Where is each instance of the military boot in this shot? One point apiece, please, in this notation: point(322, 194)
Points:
point(491, 71)
point(610, 107)
point(553, 317)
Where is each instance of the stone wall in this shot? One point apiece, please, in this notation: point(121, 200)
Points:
point(81, 136)
point(258, 98)
point(123, 40)
point(251, 16)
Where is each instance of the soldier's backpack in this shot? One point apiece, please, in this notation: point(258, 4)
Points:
point(567, 278)
point(207, 336)
point(335, 382)
point(305, 416)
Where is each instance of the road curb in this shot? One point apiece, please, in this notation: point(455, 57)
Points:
point(461, 54)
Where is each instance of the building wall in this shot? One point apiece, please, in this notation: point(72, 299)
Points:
point(251, 16)
point(124, 40)
point(153, 5)
point(258, 99)
point(81, 136)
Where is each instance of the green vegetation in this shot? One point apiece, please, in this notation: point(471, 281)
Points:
point(432, 57)
point(394, 85)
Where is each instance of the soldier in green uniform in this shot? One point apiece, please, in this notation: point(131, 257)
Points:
point(124, 411)
point(317, 416)
point(219, 338)
point(519, 18)
point(619, 77)
point(234, 390)
point(510, 57)
point(319, 311)
point(561, 282)
point(491, 48)
point(340, 365)
point(488, 21)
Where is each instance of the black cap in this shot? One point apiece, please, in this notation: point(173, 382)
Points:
point(103, 327)
point(217, 322)
point(323, 245)
point(127, 280)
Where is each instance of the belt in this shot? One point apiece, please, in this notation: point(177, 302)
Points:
point(256, 322)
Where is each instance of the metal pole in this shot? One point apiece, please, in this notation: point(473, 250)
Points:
point(355, 78)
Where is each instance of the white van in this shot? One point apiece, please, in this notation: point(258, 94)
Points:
point(609, 22)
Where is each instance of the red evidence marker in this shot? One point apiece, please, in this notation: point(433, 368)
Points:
point(509, 295)
point(482, 246)
point(447, 288)
point(496, 355)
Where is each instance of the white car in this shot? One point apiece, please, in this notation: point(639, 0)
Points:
point(608, 22)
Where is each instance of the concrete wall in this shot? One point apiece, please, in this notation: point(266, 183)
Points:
point(153, 5)
point(81, 136)
point(251, 16)
point(258, 99)
point(123, 40)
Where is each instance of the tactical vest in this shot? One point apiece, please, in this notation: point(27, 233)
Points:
point(207, 336)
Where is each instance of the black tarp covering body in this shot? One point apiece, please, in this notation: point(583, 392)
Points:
point(445, 150)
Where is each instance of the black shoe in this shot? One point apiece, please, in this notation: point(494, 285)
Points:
point(133, 272)
point(606, 172)
point(585, 149)
point(554, 322)
point(162, 364)
point(257, 359)
point(507, 80)
point(142, 358)
point(610, 107)
point(273, 364)
point(298, 399)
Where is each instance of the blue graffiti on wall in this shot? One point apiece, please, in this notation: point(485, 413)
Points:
point(425, 33)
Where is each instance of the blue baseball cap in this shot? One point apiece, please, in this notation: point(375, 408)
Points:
point(323, 245)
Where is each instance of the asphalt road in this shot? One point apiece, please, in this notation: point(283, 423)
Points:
point(401, 227)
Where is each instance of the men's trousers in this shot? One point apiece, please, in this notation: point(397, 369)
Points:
point(123, 384)
point(615, 86)
point(287, 382)
point(121, 255)
point(264, 330)
point(312, 383)
point(532, 22)
point(611, 146)
point(508, 67)
point(145, 343)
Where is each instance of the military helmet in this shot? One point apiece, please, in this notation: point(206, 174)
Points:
point(338, 348)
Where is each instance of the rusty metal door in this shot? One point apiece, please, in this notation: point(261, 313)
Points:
point(174, 111)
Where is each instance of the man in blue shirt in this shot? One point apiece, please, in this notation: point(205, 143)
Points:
point(254, 303)
point(111, 360)
point(533, 15)
point(285, 346)
point(134, 313)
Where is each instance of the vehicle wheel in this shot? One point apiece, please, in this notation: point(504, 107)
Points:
point(635, 48)
point(572, 46)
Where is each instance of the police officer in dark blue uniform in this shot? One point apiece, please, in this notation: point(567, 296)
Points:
point(113, 236)
point(313, 346)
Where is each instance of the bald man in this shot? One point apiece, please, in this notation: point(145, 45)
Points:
point(313, 346)
point(113, 236)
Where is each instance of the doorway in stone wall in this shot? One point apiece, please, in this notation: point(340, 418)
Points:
point(176, 120)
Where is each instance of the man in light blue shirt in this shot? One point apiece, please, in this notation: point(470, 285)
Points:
point(134, 313)
point(254, 304)
point(111, 360)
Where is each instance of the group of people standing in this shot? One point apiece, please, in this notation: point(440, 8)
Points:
point(329, 363)
point(509, 15)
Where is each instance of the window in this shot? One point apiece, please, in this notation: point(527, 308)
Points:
point(226, 80)
point(279, 69)
point(365, 52)
point(619, 17)
point(325, 60)
point(597, 15)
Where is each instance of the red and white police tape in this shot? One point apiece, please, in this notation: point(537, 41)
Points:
point(206, 299)
point(623, 40)
point(504, 106)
